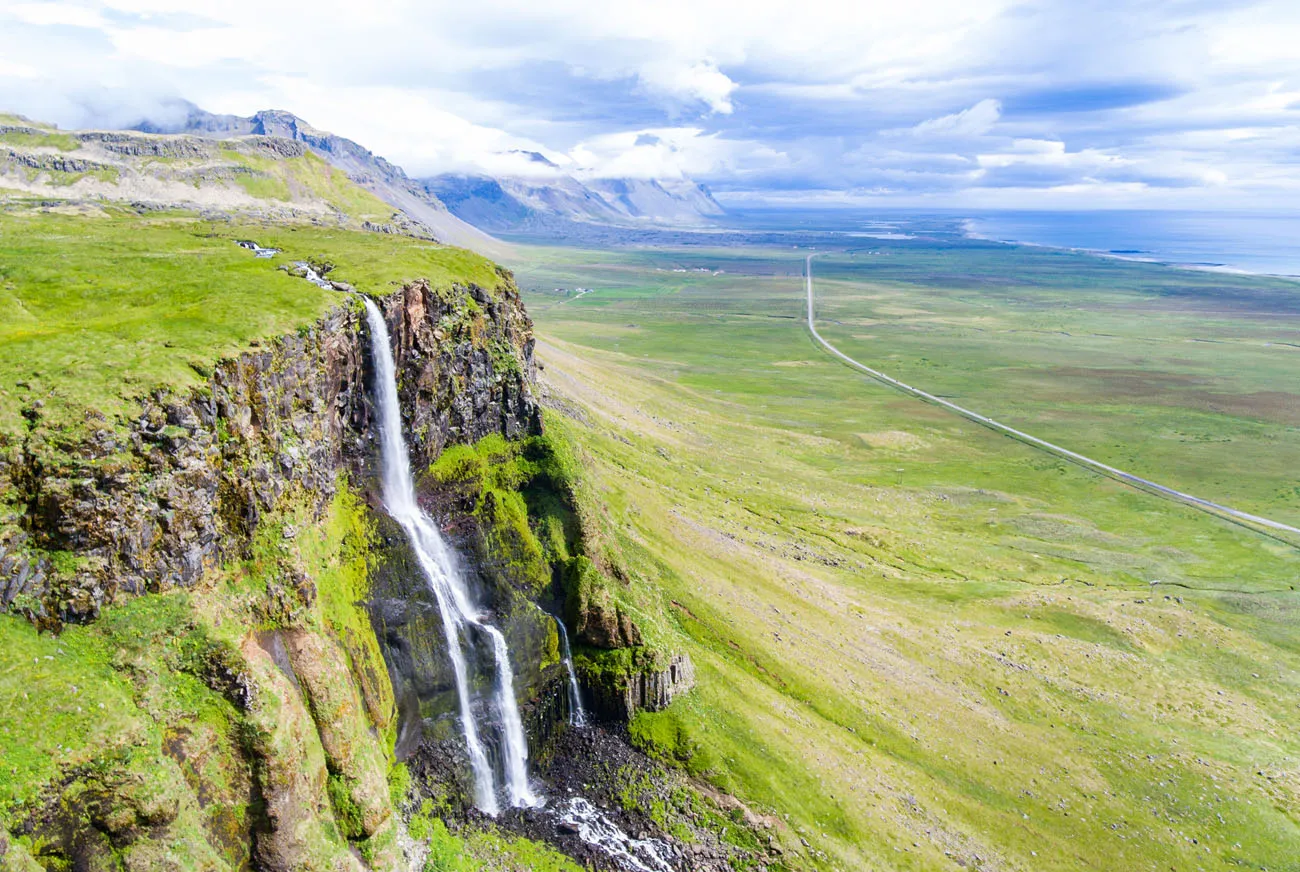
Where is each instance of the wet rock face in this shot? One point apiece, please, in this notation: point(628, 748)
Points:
point(181, 490)
point(404, 615)
point(465, 367)
point(618, 697)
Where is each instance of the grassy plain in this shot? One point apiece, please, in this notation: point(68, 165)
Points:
point(106, 306)
point(1186, 377)
point(924, 643)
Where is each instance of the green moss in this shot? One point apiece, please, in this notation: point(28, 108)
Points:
point(669, 738)
point(381, 847)
point(661, 735)
point(446, 851)
point(346, 812)
point(399, 784)
point(521, 493)
point(40, 139)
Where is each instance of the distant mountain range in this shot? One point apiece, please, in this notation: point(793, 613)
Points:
point(554, 199)
point(463, 209)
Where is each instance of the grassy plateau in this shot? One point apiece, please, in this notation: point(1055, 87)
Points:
point(103, 307)
point(921, 643)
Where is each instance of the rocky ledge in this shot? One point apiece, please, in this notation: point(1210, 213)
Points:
point(166, 499)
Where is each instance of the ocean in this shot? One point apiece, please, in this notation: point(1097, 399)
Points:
point(1253, 243)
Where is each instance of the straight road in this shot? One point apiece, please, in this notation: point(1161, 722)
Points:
point(1254, 522)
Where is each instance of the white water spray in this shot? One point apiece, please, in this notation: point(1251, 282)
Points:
point(460, 618)
point(314, 277)
point(641, 855)
point(577, 717)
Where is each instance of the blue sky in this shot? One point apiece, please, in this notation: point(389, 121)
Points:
point(979, 103)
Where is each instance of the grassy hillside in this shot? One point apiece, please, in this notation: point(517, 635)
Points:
point(254, 175)
point(928, 644)
point(103, 307)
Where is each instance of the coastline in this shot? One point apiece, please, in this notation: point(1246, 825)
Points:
point(970, 230)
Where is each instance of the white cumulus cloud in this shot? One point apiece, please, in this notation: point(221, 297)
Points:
point(975, 121)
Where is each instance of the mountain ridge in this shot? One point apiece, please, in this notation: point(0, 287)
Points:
point(556, 201)
point(376, 174)
point(465, 208)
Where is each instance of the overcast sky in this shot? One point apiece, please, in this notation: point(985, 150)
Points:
point(966, 103)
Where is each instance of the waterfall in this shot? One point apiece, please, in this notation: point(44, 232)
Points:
point(594, 828)
point(461, 618)
point(577, 717)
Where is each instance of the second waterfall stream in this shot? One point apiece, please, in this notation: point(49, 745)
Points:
point(462, 619)
point(463, 624)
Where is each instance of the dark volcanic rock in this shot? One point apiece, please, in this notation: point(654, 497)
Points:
point(165, 500)
point(617, 696)
point(645, 800)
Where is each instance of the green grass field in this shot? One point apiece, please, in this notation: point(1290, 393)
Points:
point(102, 308)
point(925, 643)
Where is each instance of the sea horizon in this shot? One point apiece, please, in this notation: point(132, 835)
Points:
point(1248, 242)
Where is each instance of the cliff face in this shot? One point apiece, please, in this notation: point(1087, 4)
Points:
point(216, 695)
point(167, 502)
point(237, 653)
point(465, 367)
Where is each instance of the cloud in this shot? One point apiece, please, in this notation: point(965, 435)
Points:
point(12, 70)
point(668, 153)
point(52, 14)
point(975, 121)
point(944, 101)
point(701, 81)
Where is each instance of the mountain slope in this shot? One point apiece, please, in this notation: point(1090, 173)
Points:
point(254, 175)
point(554, 200)
point(385, 180)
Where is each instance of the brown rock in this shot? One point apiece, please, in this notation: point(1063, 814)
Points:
point(301, 834)
point(351, 749)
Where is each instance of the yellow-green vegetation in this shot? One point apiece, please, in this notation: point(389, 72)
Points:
point(922, 641)
point(521, 492)
point(142, 707)
point(103, 310)
point(39, 139)
point(309, 176)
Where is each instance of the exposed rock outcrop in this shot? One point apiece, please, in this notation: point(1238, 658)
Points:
point(301, 833)
point(596, 618)
point(618, 695)
point(456, 390)
point(14, 857)
point(164, 500)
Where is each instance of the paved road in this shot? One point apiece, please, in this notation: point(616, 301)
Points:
point(1254, 521)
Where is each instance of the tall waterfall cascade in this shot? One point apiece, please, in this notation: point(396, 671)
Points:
point(577, 715)
point(463, 623)
point(462, 620)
